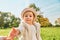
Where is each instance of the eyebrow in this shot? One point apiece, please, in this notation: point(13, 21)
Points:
point(29, 11)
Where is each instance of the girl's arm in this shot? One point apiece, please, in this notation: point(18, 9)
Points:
point(38, 33)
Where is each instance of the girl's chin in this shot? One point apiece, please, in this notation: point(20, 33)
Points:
point(28, 21)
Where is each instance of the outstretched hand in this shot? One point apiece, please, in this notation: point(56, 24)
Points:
point(14, 32)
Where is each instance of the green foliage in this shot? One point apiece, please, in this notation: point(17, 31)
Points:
point(1, 20)
point(43, 21)
point(8, 20)
point(34, 6)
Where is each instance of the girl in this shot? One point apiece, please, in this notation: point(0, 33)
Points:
point(29, 29)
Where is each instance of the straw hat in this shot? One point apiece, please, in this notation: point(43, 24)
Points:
point(29, 10)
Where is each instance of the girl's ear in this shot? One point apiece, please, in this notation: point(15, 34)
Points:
point(34, 19)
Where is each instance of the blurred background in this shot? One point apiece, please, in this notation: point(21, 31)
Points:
point(48, 16)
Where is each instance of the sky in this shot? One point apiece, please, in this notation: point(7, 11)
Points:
point(50, 8)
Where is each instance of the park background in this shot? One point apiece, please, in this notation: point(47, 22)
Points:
point(48, 16)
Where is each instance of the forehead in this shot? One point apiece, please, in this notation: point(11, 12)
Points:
point(28, 13)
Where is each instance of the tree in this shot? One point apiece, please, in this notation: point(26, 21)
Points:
point(1, 20)
point(8, 20)
point(34, 6)
point(57, 22)
point(43, 21)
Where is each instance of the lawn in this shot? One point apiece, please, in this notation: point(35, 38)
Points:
point(4, 32)
point(48, 33)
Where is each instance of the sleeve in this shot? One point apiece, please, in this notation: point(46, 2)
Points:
point(38, 33)
point(21, 28)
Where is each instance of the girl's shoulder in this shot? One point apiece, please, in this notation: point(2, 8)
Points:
point(36, 23)
point(22, 25)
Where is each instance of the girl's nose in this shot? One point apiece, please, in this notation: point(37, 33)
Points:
point(28, 17)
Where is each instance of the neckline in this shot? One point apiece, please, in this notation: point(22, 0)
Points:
point(28, 24)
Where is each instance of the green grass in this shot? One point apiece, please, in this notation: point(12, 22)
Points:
point(4, 32)
point(48, 33)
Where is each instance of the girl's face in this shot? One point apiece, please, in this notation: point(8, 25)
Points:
point(28, 17)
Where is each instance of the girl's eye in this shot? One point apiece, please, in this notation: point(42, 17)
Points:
point(26, 16)
point(30, 16)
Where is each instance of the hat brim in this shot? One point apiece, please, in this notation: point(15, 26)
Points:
point(27, 10)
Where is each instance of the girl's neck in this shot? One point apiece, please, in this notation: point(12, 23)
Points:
point(30, 23)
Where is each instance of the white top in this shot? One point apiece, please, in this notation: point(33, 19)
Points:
point(32, 29)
